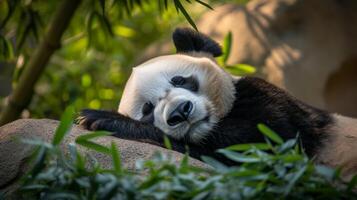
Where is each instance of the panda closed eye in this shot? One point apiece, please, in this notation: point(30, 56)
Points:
point(147, 108)
point(189, 83)
point(147, 111)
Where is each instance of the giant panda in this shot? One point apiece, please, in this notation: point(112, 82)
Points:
point(190, 99)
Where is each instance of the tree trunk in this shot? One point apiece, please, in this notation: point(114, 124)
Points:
point(22, 94)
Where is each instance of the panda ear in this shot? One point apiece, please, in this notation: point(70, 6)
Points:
point(188, 40)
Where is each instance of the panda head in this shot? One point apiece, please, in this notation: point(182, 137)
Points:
point(184, 94)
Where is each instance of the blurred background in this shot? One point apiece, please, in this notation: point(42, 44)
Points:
point(308, 47)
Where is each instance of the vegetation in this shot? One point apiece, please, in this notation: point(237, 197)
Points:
point(271, 170)
point(97, 43)
point(101, 43)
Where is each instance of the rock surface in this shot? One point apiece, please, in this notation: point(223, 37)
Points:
point(308, 47)
point(14, 154)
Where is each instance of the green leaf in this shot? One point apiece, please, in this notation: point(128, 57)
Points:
point(116, 157)
point(184, 162)
point(227, 45)
point(61, 195)
point(102, 6)
point(180, 7)
point(288, 145)
point(270, 133)
point(238, 157)
point(80, 161)
point(106, 25)
point(89, 24)
point(40, 161)
point(326, 172)
point(204, 4)
point(245, 147)
point(290, 158)
point(64, 126)
point(240, 69)
point(92, 135)
point(6, 49)
point(37, 142)
point(167, 142)
point(352, 184)
point(34, 187)
point(294, 179)
point(94, 146)
point(214, 163)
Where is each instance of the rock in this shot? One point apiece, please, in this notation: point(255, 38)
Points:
point(14, 154)
point(308, 47)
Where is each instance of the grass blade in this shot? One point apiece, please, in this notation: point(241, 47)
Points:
point(64, 126)
point(238, 157)
point(227, 45)
point(167, 142)
point(245, 147)
point(240, 69)
point(180, 7)
point(116, 158)
point(204, 4)
point(94, 146)
point(93, 135)
point(270, 133)
point(214, 163)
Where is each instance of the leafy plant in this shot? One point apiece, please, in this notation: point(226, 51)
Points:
point(283, 171)
point(31, 31)
point(236, 69)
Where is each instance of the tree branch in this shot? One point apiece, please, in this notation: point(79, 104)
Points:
point(22, 94)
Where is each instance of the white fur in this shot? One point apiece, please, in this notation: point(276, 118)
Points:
point(150, 81)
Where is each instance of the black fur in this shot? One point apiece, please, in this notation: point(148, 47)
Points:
point(256, 102)
point(188, 40)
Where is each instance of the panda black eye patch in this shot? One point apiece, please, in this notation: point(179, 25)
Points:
point(148, 114)
point(147, 108)
point(189, 83)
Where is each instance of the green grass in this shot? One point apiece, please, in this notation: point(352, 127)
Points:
point(283, 171)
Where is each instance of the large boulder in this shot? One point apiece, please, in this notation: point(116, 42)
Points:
point(14, 154)
point(308, 47)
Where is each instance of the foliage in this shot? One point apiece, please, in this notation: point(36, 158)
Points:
point(98, 49)
point(283, 171)
point(239, 69)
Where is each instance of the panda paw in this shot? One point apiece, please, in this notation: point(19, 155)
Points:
point(94, 119)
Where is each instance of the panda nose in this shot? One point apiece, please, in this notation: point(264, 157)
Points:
point(180, 114)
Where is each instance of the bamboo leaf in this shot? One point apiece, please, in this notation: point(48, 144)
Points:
point(180, 7)
point(204, 4)
point(89, 25)
point(245, 147)
point(238, 157)
point(227, 45)
point(352, 184)
point(92, 135)
point(64, 126)
point(241, 69)
point(102, 6)
point(167, 142)
point(270, 133)
point(94, 146)
point(106, 25)
point(40, 161)
point(294, 179)
point(214, 163)
point(116, 157)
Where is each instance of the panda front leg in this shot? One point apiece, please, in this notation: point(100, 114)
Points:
point(126, 128)
point(121, 126)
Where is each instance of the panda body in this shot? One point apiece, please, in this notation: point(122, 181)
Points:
point(195, 103)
